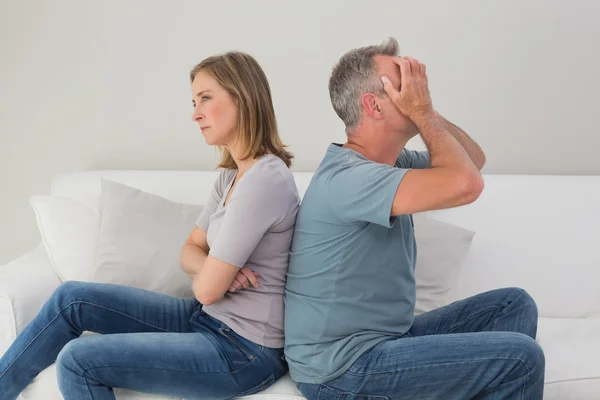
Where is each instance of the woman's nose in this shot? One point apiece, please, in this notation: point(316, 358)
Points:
point(196, 116)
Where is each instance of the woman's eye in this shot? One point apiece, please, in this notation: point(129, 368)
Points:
point(204, 98)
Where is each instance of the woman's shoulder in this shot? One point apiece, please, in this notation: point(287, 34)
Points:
point(272, 170)
point(271, 174)
point(225, 176)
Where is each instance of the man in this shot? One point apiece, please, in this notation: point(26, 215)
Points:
point(350, 327)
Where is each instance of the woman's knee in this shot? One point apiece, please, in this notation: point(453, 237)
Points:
point(67, 361)
point(70, 291)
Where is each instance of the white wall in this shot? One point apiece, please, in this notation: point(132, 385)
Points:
point(104, 84)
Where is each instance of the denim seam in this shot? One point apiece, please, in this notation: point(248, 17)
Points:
point(439, 365)
point(321, 388)
point(54, 319)
point(255, 389)
point(344, 395)
point(522, 386)
point(241, 348)
point(216, 345)
point(117, 312)
point(502, 306)
point(506, 305)
point(87, 386)
point(85, 371)
point(237, 344)
point(277, 361)
point(473, 316)
point(328, 387)
point(249, 362)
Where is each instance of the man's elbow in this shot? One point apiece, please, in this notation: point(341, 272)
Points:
point(481, 161)
point(471, 187)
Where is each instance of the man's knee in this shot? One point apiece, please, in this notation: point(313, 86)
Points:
point(529, 352)
point(521, 298)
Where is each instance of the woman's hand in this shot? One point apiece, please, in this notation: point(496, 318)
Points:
point(244, 279)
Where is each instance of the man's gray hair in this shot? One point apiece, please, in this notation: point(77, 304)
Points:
point(354, 75)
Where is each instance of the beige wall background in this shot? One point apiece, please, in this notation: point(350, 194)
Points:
point(104, 85)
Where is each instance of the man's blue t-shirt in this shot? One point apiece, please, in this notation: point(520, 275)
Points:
point(350, 281)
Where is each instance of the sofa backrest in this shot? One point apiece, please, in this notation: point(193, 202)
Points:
point(536, 232)
point(192, 187)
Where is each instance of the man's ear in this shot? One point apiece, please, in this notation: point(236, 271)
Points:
point(372, 105)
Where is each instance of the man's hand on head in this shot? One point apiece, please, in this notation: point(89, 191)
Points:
point(413, 99)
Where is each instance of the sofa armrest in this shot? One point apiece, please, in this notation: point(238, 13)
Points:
point(25, 285)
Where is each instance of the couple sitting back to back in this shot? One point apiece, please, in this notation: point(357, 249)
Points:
point(333, 276)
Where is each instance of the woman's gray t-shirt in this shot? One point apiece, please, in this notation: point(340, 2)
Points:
point(255, 230)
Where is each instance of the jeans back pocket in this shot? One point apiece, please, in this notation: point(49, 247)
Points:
point(258, 388)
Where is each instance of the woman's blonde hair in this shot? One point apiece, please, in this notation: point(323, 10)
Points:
point(241, 75)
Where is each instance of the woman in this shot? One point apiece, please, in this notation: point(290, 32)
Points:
point(228, 341)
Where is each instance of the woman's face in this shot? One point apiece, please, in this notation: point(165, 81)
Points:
point(214, 110)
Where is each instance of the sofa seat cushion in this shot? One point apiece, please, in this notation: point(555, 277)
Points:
point(44, 387)
point(572, 350)
point(571, 346)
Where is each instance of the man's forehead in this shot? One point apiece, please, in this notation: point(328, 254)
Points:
point(386, 66)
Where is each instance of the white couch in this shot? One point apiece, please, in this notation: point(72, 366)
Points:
point(536, 232)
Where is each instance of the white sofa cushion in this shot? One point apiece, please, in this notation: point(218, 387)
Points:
point(441, 248)
point(140, 240)
point(539, 233)
point(69, 230)
point(572, 350)
point(25, 285)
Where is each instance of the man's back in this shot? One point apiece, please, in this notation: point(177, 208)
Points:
point(351, 276)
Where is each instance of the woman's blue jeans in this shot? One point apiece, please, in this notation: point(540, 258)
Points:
point(150, 342)
point(480, 348)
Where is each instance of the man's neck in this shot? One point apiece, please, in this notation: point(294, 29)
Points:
point(378, 148)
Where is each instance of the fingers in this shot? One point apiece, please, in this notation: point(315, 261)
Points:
point(250, 276)
point(415, 67)
point(422, 70)
point(406, 75)
point(239, 283)
point(244, 278)
point(388, 87)
point(232, 288)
